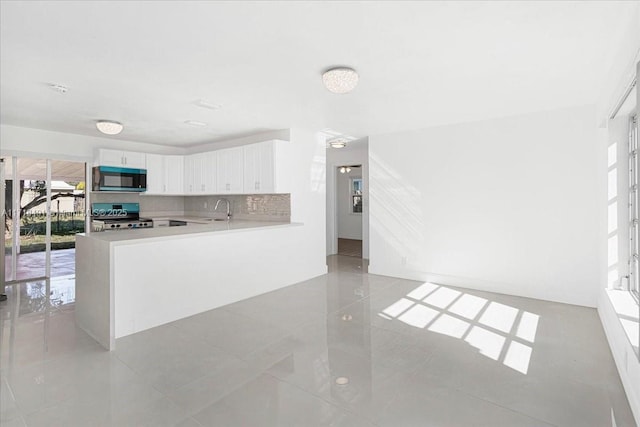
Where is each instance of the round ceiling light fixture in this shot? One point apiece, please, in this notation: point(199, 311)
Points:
point(59, 88)
point(340, 79)
point(108, 127)
point(338, 143)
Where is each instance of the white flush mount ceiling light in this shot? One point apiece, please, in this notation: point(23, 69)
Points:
point(338, 143)
point(340, 79)
point(108, 127)
point(347, 168)
point(206, 104)
point(59, 88)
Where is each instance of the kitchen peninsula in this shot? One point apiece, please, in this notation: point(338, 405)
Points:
point(132, 280)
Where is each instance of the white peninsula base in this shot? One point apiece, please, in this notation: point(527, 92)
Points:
point(130, 281)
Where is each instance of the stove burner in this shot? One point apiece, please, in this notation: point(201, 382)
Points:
point(119, 216)
point(110, 224)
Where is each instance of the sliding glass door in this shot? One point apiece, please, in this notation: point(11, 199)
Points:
point(634, 210)
point(44, 209)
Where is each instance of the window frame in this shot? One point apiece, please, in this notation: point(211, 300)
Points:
point(634, 217)
point(353, 194)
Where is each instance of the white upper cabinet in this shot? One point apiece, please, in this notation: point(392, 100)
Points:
point(259, 168)
point(208, 173)
point(229, 171)
point(199, 173)
point(165, 174)
point(118, 158)
point(250, 169)
point(155, 174)
point(263, 167)
point(174, 174)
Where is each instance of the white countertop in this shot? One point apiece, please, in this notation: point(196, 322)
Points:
point(196, 226)
point(191, 219)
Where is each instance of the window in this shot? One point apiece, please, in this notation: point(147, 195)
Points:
point(356, 195)
point(634, 247)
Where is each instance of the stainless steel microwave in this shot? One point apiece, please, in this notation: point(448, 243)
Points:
point(110, 178)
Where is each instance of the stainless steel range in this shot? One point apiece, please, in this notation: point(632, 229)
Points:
point(117, 216)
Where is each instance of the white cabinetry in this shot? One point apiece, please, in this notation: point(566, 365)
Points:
point(200, 173)
point(118, 158)
point(155, 174)
point(251, 169)
point(174, 174)
point(264, 170)
point(229, 171)
point(165, 174)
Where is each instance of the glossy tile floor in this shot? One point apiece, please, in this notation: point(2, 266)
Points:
point(408, 353)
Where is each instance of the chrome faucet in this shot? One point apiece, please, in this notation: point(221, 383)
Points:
point(228, 207)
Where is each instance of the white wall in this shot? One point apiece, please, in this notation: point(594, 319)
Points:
point(504, 205)
point(308, 165)
point(349, 223)
point(357, 153)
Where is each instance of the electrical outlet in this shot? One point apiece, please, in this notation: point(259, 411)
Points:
point(205, 205)
point(404, 260)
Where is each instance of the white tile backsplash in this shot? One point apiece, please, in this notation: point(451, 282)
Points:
point(264, 207)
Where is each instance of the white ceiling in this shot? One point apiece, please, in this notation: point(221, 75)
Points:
point(420, 63)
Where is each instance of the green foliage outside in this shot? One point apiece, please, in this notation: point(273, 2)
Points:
point(33, 225)
point(63, 233)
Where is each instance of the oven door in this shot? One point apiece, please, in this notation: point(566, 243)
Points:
point(109, 178)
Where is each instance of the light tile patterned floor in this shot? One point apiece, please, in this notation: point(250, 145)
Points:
point(413, 354)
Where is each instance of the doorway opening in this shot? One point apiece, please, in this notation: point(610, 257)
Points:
point(44, 208)
point(347, 200)
point(349, 194)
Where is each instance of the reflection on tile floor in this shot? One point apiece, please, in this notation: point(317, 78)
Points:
point(411, 354)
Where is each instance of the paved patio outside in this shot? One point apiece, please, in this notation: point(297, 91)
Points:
point(63, 263)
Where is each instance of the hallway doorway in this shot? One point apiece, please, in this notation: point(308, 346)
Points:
point(347, 199)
